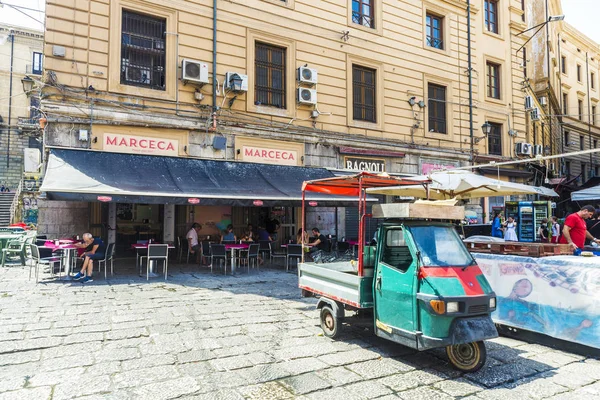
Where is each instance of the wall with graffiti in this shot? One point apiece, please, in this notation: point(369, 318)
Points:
point(28, 202)
point(557, 296)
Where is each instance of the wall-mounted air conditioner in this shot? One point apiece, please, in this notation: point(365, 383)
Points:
point(307, 96)
point(194, 71)
point(535, 114)
point(523, 149)
point(307, 75)
point(543, 100)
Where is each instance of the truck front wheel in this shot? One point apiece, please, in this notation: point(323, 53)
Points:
point(468, 357)
point(329, 322)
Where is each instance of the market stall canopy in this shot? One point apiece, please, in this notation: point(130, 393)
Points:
point(352, 184)
point(462, 184)
point(80, 175)
point(592, 193)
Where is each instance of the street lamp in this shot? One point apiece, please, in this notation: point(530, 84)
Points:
point(486, 128)
point(551, 18)
point(27, 84)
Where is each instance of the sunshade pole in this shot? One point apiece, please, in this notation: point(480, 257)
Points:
point(361, 226)
point(303, 222)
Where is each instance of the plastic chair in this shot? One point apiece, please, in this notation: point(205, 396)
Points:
point(108, 256)
point(278, 254)
point(343, 246)
point(157, 252)
point(36, 261)
point(205, 249)
point(14, 247)
point(253, 256)
point(265, 248)
point(293, 251)
point(218, 251)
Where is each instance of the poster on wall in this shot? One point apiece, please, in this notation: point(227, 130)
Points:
point(557, 296)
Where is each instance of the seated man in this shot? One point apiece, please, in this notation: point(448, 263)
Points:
point(94, 250)
point(263, 234)
point(321, 242)
point(192, 238)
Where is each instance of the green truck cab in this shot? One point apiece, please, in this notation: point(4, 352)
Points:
point(419, 284)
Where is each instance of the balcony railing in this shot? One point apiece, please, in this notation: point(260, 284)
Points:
point(28, 123)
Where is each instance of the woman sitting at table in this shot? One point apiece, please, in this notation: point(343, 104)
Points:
point(229, 235)
point(247, 237)
point(94, 250)
point(302, 237)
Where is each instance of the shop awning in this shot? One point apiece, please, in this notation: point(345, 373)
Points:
point(78, 175)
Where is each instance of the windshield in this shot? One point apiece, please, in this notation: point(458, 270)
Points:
point(440, 246)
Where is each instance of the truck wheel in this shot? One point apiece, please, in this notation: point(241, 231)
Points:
point(329, 322)
point(468, 357)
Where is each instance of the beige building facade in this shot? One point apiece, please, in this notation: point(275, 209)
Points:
point(21, 54)
point(342, 84)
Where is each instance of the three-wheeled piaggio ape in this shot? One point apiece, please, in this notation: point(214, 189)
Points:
point(419, 282)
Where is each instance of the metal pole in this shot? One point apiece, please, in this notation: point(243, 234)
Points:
point(12, 58)
point(560, 100)
point(549, 98)
point(470, 71)
point(587, 72)
point(214, 81)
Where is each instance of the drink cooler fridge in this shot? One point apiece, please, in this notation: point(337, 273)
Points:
point(529, 215)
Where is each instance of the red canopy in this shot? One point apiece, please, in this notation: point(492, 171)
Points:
point(350, 185)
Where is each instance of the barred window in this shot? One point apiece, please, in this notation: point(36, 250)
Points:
point(363, 90)
point(495, 139)
point(437, 108)
point(143, 51)
point(435, 31)
point(363, 12)
point(491, 15)
point(270, 77)
point(36, 66)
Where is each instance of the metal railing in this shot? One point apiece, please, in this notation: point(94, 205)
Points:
point(15, 203)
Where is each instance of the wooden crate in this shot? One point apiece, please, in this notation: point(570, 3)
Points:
point(520, 249)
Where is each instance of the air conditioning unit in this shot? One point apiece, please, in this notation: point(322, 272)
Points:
point(194, 71)
point(244, 78)
point(307, 75)
point(535, 114)
point(137, 75)
point(538, 149)
point(523, 149)
point(528, 103)
point(307, 96)
point(543, 100)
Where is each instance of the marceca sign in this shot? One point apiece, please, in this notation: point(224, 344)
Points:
point(269, 156)
point(117, 143)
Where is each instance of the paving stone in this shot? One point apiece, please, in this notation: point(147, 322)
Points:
point(170, 389)
point(335, 393)
point(26, 394)
point(140, 377)
point(82, 386)
point(306, 383)
point(302, 365)
point(494, 376)
point(378, 368)
point(12, 383)
point(73, 361)
point(424, 393)
point(339, 376)
point(458, 387)
point(20, 357)
point(195, 356)
point(55, 377)
point(368, 389)
point(262, 373)
point(412, 379)
point(220, 394)
point(349, 357)
point(117, 354)
point(268, 390)
point(231, 363)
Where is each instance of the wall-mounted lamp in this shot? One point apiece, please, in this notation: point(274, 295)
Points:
point(421, 104)
point(412, 101)
point(238, 152)
point(302, 158)
point(185, 149)
point(95, 139)
point(235, 82)
point(487, 129)
point(27, 84)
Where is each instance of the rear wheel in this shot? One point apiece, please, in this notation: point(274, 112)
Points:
point(329, 322)
point(468, 357)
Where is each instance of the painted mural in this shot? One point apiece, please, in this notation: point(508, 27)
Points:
point(557, 296)
point(29, 209)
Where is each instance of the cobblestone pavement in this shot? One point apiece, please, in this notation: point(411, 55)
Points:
point(250, 336)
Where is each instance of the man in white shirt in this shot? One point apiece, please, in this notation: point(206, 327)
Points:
point(192, 238)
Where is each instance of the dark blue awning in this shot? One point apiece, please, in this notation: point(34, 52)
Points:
point(83, 175)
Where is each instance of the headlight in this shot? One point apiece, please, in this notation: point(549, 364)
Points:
point(452, 306)
point(492, 303)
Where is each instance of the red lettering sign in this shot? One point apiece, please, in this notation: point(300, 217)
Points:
point(104, 199)
point(273, 156)
point(257, 203)
point(312, 203)
point(193, 200)
point(140, 145)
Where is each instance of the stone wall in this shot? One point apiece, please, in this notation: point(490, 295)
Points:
point(62, 218)
point(11, 174)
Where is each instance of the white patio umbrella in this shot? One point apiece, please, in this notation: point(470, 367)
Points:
point(462, 184)
point(591, 193)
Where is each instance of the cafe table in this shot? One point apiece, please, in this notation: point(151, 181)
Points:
point(138, 259)
point(67, 246)
point(7, 237)
point(234, 248)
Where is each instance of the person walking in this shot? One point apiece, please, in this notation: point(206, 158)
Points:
point(555, 229)
point(542, 232)
point(510, 232)
point(575, 230)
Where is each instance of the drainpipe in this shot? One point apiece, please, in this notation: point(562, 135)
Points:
point(9, 128)
point(562, 106)
point(214, 81)
point(470, 71)
point(548, 100)
point(587, 72)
